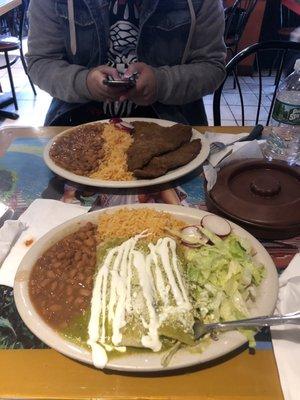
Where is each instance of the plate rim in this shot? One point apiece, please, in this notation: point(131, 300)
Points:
point(168, 177)
point(30, 316)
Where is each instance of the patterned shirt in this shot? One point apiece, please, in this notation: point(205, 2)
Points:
point(124, 30)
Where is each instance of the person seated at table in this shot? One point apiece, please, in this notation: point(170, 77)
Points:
point(175, 46)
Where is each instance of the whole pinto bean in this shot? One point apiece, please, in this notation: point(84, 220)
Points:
point(51, 274)
point(85, 259)
point(84, 292)
point(80, 277)
point(60, 256)
point(55, 307)
point(53, 286)
point(89, 242)
point(77, 256)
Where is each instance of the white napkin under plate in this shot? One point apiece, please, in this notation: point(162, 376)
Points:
point(41, 216)
point(286, 338)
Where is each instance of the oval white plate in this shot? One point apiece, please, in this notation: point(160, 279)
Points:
point(170, 176)
point(139, 362)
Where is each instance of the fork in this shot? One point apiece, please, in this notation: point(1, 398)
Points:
point(254, 134)
point(201, 329)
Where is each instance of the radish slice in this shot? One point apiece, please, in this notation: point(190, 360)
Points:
point(127, 125)
point(216, 225)
point(121, 125)
point(191, 236)
point(115, 120)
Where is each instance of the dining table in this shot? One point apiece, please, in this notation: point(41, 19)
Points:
point(31, 370)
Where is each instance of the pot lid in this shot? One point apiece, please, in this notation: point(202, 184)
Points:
point(259, 192)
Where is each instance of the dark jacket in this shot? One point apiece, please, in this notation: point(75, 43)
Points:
point(181, 39)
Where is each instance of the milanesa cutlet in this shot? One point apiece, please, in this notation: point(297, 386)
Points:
point(158, 166)
point(152, 140)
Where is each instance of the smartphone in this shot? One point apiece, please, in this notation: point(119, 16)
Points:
point(121, 84)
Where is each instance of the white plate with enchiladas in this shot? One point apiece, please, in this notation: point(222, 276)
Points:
point(121, 288)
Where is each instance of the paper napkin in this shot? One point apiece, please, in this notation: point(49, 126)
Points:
point(238, 151)
point(226, 138)
point(286, 338)
point(16, 237)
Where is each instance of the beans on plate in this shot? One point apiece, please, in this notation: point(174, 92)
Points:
point(61, 281)
point(80, 150)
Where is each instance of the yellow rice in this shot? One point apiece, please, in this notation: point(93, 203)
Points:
point(126, 223)
point(113, 166)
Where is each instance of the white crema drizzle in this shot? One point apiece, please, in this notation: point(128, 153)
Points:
point(112, 295)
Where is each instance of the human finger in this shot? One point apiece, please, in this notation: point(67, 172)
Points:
point(133, 69)
point(109, 71)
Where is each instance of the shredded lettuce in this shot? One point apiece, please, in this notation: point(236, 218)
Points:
point(223, 277)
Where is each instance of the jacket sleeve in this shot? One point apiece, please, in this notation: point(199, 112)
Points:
point(204, 70)
point(46, 56)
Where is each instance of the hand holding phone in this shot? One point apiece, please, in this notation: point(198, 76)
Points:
point(119, 84)
point(125, 84)
point(145, 91)
point(98, 90)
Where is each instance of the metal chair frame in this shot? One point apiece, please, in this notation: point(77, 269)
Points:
point(282, 46)
point(240, 11)
point(237, 17)
point(8, 64)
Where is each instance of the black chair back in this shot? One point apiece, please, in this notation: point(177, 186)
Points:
point(236, 18)
point(283, 47)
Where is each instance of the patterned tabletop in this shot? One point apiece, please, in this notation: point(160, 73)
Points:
point(21, 161)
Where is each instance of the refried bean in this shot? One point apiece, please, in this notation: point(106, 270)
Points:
point(79, 151)
point(61, 282)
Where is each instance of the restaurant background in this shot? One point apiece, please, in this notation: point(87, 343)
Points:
point(24, 178)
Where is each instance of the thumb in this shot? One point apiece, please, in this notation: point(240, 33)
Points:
point(110, 71)
point(132, 69)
